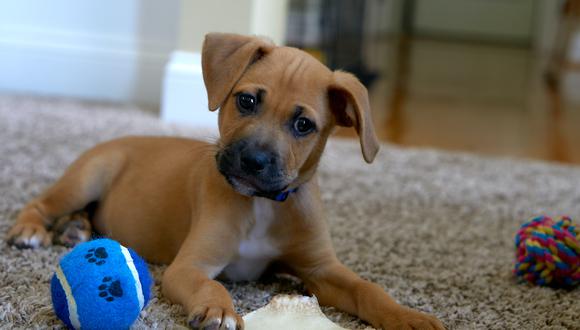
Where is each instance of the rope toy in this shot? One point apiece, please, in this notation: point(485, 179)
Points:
point(548, 252)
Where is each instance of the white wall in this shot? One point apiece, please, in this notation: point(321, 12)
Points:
point(105, 49)
point(259, 17)
point(268, 18)
point(184, 98)
point(115, 49)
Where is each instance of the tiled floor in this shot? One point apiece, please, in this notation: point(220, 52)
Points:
point(472, 97)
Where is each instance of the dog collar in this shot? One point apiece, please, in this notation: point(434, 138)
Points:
point(283, 195)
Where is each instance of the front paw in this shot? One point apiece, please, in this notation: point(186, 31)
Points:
point(406, 318)
point(28, 235)
point(214, 318)
point(72, 230)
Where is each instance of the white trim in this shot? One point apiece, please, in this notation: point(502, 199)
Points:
point(72, 305)
point(184, 99)
point(81, 41)
point(89, 66)
point(268, 18)
point(135, 273)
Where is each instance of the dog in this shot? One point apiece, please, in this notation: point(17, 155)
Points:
point(234, 207)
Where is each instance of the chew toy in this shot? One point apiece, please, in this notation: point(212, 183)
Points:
point(100, 284)
point(548, 252)
point(286, 312)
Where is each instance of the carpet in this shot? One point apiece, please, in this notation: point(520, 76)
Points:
point(435, 229)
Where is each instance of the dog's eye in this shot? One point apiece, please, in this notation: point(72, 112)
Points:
point(303, 126)
point(246, 103)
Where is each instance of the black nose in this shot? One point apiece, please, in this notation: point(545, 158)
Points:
point(253, 162)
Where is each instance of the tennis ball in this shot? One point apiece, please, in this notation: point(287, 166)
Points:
point(100, 284)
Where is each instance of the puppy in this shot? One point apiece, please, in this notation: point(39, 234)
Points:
point(234, 207)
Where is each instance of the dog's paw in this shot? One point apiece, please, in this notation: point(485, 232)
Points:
point(72, 230)
point(214, 318)
point(28, 235)
point(407, 318)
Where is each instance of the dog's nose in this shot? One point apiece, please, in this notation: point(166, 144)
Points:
point(255, 162)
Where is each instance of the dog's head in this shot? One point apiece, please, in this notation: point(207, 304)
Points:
point(278, 106)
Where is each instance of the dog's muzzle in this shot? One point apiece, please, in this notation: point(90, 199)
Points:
point(252, 169)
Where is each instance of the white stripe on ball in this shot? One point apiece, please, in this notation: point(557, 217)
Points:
point(131, 265)
point(72, 305)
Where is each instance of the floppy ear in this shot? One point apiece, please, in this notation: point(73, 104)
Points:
point(225, 58)
point(349, 101)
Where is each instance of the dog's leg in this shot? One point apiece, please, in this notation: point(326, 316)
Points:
point(82, 183)
point(188, 280)
point(206, 301)
point(335, 285)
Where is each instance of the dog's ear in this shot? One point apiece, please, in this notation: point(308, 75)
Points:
point(349, 102)
point(224, 59)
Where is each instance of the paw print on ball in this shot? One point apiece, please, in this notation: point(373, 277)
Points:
point(97, 256)
point(109, 289)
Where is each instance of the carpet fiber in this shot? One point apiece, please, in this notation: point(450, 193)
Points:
point(434, 229)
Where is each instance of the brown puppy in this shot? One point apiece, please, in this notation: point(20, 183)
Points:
point(234, 207)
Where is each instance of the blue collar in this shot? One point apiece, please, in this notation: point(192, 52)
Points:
point(283, 195)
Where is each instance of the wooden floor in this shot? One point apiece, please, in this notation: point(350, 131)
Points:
point(479, 98)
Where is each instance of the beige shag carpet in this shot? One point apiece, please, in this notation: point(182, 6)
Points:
point(434, 229)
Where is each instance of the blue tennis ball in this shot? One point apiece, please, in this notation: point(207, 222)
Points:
point(100, 284)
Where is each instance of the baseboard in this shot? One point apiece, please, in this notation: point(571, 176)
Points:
point(184, 99)
point(83, 66)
